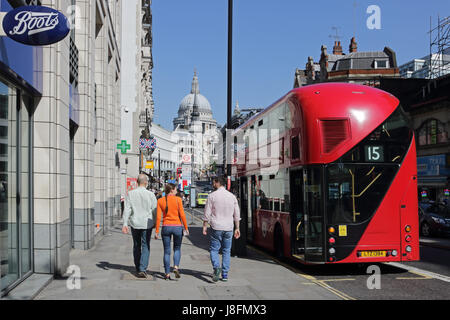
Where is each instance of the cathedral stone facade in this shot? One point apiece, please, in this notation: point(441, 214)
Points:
point(196, 130)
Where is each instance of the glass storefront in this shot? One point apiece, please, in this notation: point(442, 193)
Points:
point(8, 180)
point(15, 186)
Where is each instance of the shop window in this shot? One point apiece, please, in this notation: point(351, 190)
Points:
point(431, 132)
point(15, 182)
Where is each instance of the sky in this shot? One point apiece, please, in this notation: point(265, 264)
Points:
point(270, 40)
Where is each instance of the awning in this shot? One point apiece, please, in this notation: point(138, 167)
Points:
point(432, 181)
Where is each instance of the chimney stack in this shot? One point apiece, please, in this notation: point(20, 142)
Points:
point(337, 49)
point(353, 47)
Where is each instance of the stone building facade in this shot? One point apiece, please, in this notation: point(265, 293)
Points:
point(69, 189)
point(196, 130)
point(137, 93)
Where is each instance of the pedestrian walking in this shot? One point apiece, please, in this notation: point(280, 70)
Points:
point(221, 212)
point(139, 214)
point(170, 208)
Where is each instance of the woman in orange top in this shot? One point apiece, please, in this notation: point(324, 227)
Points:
point(171, 208)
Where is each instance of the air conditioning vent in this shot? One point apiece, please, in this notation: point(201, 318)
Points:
point(334, 133)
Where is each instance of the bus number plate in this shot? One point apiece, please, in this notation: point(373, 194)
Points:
point(373, 254)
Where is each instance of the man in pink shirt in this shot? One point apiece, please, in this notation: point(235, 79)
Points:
point(221, 212)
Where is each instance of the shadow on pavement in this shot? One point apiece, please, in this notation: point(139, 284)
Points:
point(111, 266)
point(197, 238)
point(203, 276)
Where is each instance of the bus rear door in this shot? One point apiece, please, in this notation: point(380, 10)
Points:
point(297, 214)
point(314, 214)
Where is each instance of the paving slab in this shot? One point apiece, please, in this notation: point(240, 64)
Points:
point(107, 272)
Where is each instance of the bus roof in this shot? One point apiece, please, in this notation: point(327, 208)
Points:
point(363, 108)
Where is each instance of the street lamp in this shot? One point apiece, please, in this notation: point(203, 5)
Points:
point(239, 245)
point(230, 75)
point(159, 169)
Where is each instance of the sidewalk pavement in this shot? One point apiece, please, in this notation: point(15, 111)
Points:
point(440, 243)
point(107, 272)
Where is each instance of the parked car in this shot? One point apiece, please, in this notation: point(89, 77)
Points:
point(434, 219)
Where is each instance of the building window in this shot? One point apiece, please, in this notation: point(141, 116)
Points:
point(432, 131)
point(381, 64)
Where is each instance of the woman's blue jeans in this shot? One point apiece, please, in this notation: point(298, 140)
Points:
point(167, 233)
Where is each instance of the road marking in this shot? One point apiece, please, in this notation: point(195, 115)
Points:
point(422, 277)
point(333, 290)
point(309, 277)
point(333, 280)
point(423, 273)
point(193, 215)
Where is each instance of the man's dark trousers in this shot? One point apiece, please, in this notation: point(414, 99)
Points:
point(141, 248)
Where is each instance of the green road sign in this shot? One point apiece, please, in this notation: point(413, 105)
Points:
point(123, 146)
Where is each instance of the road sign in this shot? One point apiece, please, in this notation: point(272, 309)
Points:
point(147, 144)
point(186, 158)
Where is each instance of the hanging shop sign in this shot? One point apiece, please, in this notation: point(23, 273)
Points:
point(36, 25)
point(147, 144)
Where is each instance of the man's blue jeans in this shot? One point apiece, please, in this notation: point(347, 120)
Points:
point(221, 239)
point(166, 233)
point(141, 247)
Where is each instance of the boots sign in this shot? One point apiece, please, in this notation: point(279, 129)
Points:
point(36, 25)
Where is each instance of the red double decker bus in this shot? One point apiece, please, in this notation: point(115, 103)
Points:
point(328, 174)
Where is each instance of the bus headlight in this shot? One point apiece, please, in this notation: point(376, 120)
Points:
point(408, 249)
point(394, 253)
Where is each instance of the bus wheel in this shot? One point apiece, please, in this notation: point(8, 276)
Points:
point(278, 243)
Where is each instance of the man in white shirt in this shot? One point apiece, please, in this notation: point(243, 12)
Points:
point(221, 212)
point(139, 213)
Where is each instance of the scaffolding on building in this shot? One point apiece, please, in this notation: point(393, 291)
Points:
point(439, 60)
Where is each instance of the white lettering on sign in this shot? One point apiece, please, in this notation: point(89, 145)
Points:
point(34, 22)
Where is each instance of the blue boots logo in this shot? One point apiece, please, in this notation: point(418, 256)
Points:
point(36, 25)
